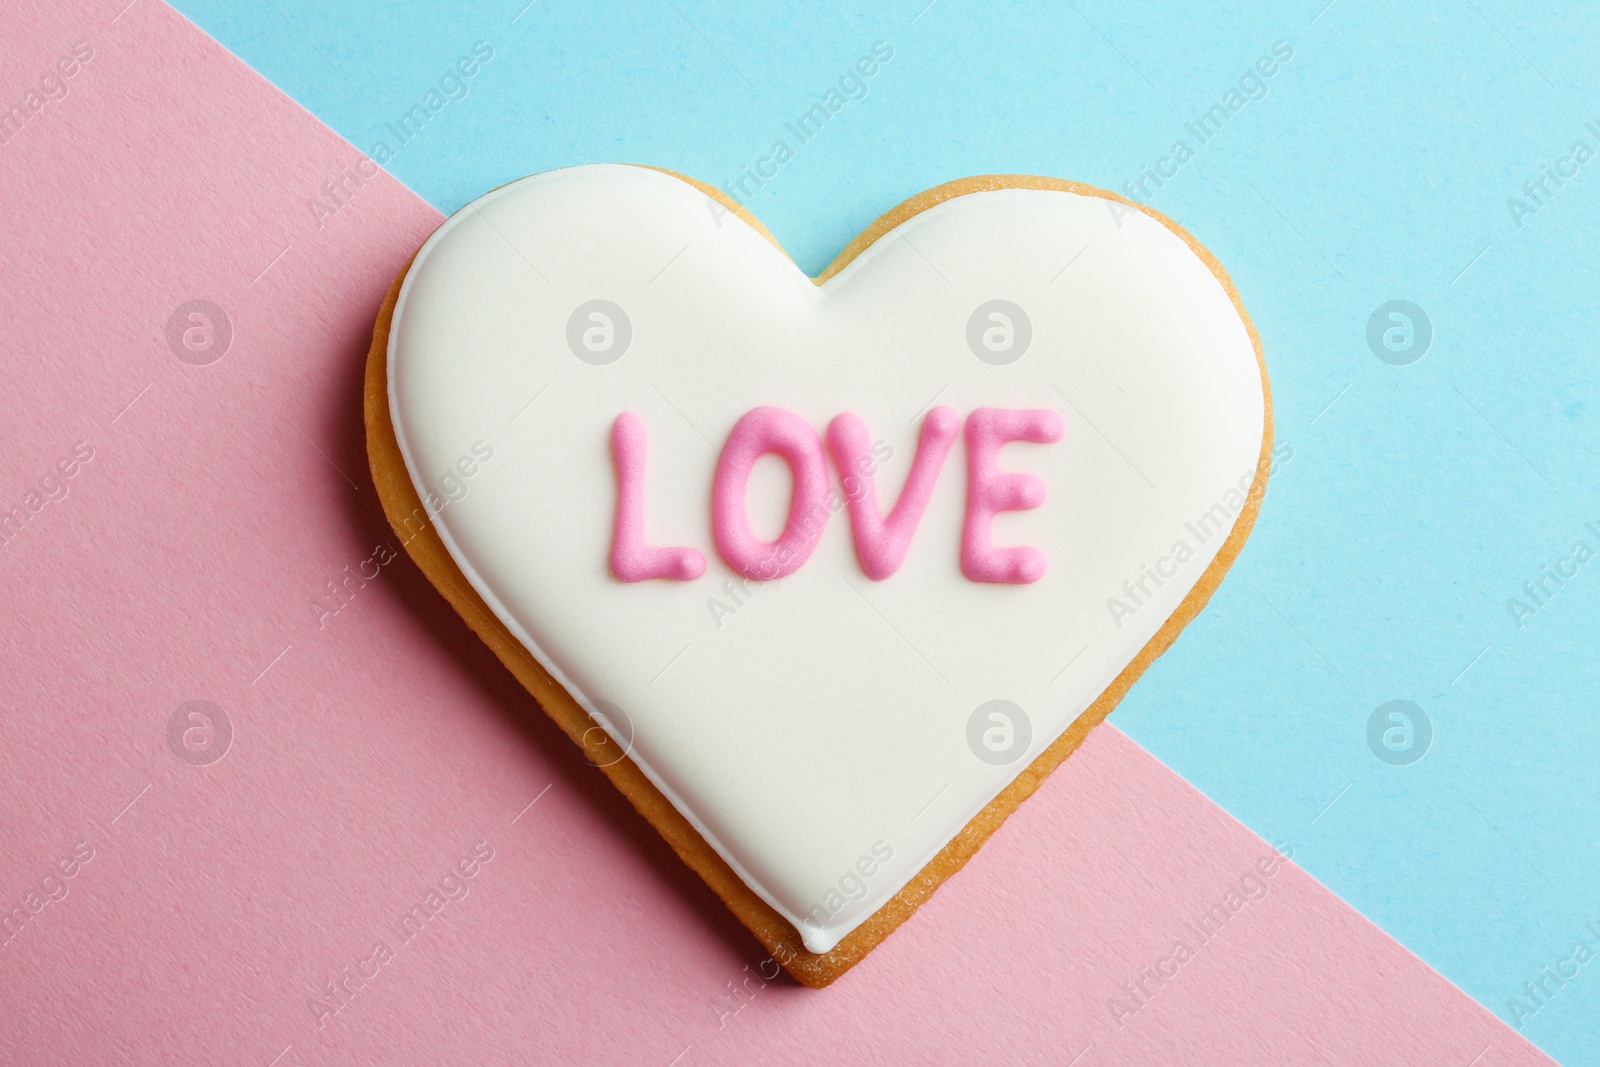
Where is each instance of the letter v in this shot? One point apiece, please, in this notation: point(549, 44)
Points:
point(882, 543)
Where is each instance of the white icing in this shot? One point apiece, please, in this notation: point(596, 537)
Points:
point(827, 713)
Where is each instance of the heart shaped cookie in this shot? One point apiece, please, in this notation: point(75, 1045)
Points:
point(828, 574)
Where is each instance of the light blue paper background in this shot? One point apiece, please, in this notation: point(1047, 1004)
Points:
point(1418, 498)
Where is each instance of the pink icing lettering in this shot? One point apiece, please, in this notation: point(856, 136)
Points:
point(632, 559)
point(990, 490)
point(882, 543)
point(759, 431)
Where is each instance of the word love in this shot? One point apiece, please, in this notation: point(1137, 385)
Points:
point(881, 541)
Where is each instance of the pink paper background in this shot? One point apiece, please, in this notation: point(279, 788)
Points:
point(371, 753)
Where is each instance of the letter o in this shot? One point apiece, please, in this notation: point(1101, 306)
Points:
point(759, 431)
